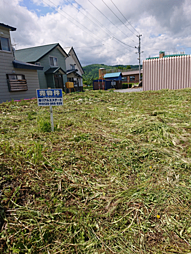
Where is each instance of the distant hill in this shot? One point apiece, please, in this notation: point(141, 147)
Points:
point(92, 71)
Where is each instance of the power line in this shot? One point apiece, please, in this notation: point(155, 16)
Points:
point(123, 43)
point(88, 13)
point(107, 18)
point(101, 13)
point(119, 50)
point(89, 46)
point(117, 17)
point(124, 16)
point(84, 26)
point(98, 22)
point(71, 20)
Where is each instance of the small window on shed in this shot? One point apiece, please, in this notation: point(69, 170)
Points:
point(16, 82)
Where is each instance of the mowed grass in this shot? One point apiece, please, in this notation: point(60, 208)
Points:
point(114, 177)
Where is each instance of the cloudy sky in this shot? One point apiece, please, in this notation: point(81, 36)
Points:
point(101, 31)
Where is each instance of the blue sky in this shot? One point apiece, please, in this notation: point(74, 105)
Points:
point(38, 9)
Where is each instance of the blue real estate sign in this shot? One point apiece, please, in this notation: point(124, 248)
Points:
point(49, 97)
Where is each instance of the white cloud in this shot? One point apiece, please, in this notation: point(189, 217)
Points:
point(164, 25)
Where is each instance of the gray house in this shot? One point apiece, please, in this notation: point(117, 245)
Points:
point(52, 58)
point(18, 80)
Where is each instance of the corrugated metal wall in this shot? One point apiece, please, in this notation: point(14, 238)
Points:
point(167, 73)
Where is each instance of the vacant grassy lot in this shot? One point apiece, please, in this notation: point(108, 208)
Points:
point(115, 176)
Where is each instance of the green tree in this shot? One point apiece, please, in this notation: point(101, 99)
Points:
point(88, 80)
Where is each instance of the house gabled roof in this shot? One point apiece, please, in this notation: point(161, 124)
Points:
point(68, 51)
point(34, 54)
point(74, 72)
point(112, 75)
point(54, 70)
point(9, 27)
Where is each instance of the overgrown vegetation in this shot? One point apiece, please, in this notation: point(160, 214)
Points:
point(113, 178)
point(126, 85)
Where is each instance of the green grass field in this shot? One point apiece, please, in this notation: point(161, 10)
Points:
point(114, 177)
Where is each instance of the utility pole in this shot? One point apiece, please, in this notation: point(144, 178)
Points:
point(139, 52)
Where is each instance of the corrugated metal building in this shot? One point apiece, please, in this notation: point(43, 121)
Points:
point(167, 72)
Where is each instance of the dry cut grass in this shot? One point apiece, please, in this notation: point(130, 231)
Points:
point(113, 178)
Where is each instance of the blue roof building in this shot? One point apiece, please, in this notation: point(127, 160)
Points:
point(113, 76)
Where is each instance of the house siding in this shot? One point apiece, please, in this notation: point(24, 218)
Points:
point(167, 73)
point(6, 67)
point(31, 77)
point(50, 81)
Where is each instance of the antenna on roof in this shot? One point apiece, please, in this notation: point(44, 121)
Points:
point(14, 47)
point(14, 44)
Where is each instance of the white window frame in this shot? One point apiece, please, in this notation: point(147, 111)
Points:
point(53, 61)
point(8, 44)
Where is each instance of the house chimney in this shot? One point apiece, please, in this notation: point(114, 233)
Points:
point(102, 72)
point(161, 54)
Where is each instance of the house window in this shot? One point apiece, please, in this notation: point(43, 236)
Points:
point(124, 79)
point(4, 44)
point(72, 66)
point(16, 82)
point(132, 78)
point(53, 61)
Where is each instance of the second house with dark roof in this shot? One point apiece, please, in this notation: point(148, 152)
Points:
point(53, 58)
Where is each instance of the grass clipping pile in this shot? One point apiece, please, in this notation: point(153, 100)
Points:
point(113, 178)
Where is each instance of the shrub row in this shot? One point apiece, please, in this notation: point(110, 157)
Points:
point(126, 85)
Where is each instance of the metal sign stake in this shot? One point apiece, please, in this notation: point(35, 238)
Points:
point(51, 119)
point(50, 97)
